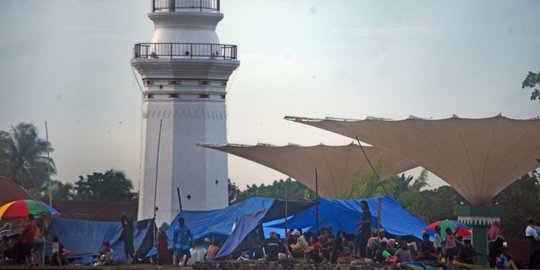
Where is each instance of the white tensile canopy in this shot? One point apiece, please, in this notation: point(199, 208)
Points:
point(477, 157)
point(338, 167)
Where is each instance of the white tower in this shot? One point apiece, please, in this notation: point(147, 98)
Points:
point(185, 71)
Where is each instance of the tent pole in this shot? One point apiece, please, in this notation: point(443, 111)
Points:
point(179, 199)
point(379, 215)
point(316, 201)
point(286, 213)
point(371, 166)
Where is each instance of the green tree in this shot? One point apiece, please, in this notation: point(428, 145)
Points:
point(234, 191)
point(531, 81)
point(23, 157)
point(519, 201)
point(296, 191)
point(59, 191)
point(111, 185)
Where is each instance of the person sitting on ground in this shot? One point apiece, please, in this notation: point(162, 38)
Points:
point(327, 247)
point(301, 244)
point(105, 255)
point(403, 253)
point(313, 251)
point(427, 250)
point(372, 246)
point(381, 235)
point(212, 250)
point(272, 247)
point(197, 254)
point(382, 252)
point(392, 245)
point(467, 254)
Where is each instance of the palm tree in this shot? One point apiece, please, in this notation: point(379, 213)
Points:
point(23, 156)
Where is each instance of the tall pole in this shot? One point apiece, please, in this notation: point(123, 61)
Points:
point(157, 170)
point(316, 201)
point(286, 213)
point(48, 168)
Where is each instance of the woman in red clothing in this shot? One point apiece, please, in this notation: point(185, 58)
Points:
point(162, 244)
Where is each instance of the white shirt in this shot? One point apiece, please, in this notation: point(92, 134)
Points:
point(530, 231)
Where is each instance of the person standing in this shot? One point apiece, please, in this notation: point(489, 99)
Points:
point(27, 239)
point(162, 245)
point(182, 242)
point(40, 234)
point(127, 237)
point(364, 230)
point(534, 244)
point(437, 241)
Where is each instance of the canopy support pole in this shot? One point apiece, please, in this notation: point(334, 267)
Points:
point(286, 213)
point(316, 201)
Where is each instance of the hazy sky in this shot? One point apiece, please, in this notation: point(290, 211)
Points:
point(68, 63)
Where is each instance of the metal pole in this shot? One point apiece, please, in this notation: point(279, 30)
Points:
point(155, 184)
point(379, 215)
point(48, 167)
point(286, 213)
point(157, 164)
point(179, 198)
point(316, 201)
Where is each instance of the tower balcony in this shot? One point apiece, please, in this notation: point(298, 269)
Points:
point(185, 50)
point(185, 5)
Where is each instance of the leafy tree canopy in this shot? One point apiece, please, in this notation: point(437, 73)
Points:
point(531, 81)
point(111, 185)
point(23, 157)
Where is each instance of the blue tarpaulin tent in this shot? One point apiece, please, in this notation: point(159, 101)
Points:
point(219, 224)
point(84, 237)
point(343, 215)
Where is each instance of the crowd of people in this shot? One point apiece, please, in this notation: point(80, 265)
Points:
point(325, 246)
point(28, 246)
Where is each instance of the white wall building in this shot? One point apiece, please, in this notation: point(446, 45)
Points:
point(185, 72)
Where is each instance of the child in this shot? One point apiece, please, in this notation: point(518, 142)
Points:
point(55, 253)
point(105, 255)
point(437, 240)
point(450, 247)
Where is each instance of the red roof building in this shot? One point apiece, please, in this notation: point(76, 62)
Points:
point(11, 191)
point(97, 210)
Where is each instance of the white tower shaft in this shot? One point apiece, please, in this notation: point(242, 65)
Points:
point(185, 71)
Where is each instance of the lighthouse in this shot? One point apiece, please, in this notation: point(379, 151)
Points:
point(185, 70)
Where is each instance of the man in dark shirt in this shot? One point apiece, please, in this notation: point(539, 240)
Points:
point(364, 230)
point(272, 247)
point(467, 254)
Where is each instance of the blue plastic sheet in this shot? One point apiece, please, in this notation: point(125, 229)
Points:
point(84, 237)
point(343, 215)
point(218, 224)
point(244, 226)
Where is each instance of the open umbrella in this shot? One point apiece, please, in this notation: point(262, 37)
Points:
point(453, 225)
point(21, 209)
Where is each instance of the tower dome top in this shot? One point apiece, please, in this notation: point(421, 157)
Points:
point(210, 6)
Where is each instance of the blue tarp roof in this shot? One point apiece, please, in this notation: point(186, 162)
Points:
point(217, 223)
point(343, 215)
point(85, 237)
